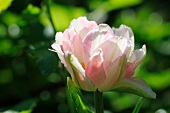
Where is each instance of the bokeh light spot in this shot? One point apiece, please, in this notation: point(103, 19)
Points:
point(155, 18)
point(48, 31)
point(160, 111)
point(6, 76)
point(45, 95)
point(63, 108)
point(14, 30)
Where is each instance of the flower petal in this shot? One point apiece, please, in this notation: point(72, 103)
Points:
point(126, 33)
point(67, 37)
point(78, 48)
point(114, 71)
point(83, 26)
point(137, 56)
point(58, 50)
point(59, 38)
point(79, 76)
point(106, 28)
point(94, 39)
point(95, 70)
point(57, 47)
point(109, 54)
point(129, 70)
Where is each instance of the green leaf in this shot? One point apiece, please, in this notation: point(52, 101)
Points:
point(4, 4)
point(138, 105)
point(23, 107)
point(118, 4)
point(102, 8)
point(79, 101)
point(136, 86)
point(113, 4)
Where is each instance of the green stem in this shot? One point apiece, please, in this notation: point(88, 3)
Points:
point(98, 101)
point(138, 105)
point(50, 15)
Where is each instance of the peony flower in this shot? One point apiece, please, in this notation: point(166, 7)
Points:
point(99, 57)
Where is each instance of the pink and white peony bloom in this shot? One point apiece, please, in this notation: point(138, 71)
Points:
point(97, 56)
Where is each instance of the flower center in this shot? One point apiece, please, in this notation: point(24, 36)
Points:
point(83, 65)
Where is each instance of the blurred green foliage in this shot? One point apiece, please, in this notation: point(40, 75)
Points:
point(32, 75)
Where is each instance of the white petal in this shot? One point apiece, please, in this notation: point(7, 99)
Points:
point(83, 26)
point(125, 32)
point(137, 56)
point(93, 40)
point(59, 38)
point(79, 75)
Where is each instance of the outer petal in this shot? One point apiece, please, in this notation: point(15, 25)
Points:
point(59, 38)
point(57, 47)
point(126, 32)
point(137, 56)
point(94, 39)
point(67, 37)
point(129, 70)
point(124, 47)
point(95, 70)
point(114, 71)
point(79, 76)
point(83, 26)
point(78, 48)
point(57, 44)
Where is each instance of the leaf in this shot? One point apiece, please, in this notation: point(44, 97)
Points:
point(136, 86)
point(102, 8)
point(79, 101)
point(118, 4)
point(138, 105)
point(4, 4)
point(23, 107)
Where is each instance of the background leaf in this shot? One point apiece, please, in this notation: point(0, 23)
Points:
point(4, 4)
point(24, 107)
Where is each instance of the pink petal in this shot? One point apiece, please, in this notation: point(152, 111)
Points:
point(94, 39)
point(114, 71)
point(78, 48)
point(95, 70)
point(129, 70)
point(109, 49)
point(83, 26)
